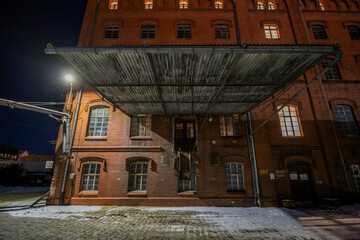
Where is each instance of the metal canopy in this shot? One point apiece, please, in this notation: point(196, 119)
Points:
point(191, 79)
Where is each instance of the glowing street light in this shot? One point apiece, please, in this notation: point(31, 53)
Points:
point(69, 78)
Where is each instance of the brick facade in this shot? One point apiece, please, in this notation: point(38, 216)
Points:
point(316, 148)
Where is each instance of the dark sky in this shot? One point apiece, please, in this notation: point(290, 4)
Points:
point(27, 74)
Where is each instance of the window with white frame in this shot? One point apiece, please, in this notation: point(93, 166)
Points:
point(99, 121)
point(140, 125)
point(355, 172)
point(230, 125)
point(271, 31)
point(187, 180)
point(346, 120)
point(113, 4)
point(235, 177)
point(90, 177)
point(138, 176)
point(289, 121)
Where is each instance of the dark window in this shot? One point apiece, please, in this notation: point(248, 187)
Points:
point(112, 32)
point(91, 174)
point(187, 179)
point(99, 120)
point(138, 176)
point(235, 177)
point(355, 172)
point(221, 31)
point(354, 32)
point(230, 126)
point(333, 72)
point(148, 31)
point(319, 31)
point(184, 31)
point(140, 126)
point(346, 120)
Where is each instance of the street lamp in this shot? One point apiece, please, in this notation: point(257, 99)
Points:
point(69, 78)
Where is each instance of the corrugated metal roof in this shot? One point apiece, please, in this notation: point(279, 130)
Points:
point(190, 79)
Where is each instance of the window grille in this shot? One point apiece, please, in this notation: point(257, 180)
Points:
point(235, 177)
point(113, 5)
point(99, 120)
point(140, 125)
point(112, 32)
point(230, 125)
point(319, 32)
point(260, 5)
point(333, 73)
point(221, 31)
point(271, 6)
point(354, 32)
point(138, 176)
point(91, 175)
point(219, 5)
point(271, 31)
point(184, 31)
point(148, 31)
point(289, 121)
point(346, 120)
point(187, 182)
point(355, 172)
point(149, 4)
point(183, 4)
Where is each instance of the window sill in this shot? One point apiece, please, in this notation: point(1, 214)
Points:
point(88, 193)
point(95, 138)
point(141, 138)
point(230, 137)
point(236, 192)
point(137, 194)
point(186, 194)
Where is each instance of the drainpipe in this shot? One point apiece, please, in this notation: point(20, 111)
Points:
point(94, 23)
point(62, 195)
point(236, 22)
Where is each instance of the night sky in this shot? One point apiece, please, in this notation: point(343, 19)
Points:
point(27, 74)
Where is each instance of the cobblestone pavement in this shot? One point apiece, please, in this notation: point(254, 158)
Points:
point(153, 223)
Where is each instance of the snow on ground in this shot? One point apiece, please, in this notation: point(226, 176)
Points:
point(55, 212)
point(20, 189)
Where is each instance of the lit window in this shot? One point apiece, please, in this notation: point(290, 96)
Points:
point(321, 6)
point(219, 4)
point(235, 177)
point(99, 120)
point(149, 4)
point(140, 125)
point(138, 176)
point(260, 5)
point(346, 120)
point(147, 31)
point(271, 6)
point(271, 31)
point(289, 121)
point(333, 73)
point(355, 172)
point(112, 32)
point(183, 4)
point(113, 5)
point(354, 32)
point(221, 31)
point(187, 179)
point(184, 31)
point(319, 32)
point(230, 126)
point(90, 179)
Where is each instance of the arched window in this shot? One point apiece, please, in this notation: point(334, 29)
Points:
point(149, 4)
point(183, 4)
point(235, 177)
point(354, 6)
point(138, 176)
point(219, 4)
point(346, 120)
point(271, 31)
point(333, 6)
point(289, 121)
point(344, 6)
point(113, 4)
point(90, 177)
point(98, 123)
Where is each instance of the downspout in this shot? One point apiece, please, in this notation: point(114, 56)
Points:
point(94, 23)
point(249, 126)
point(328, 107)
point(62, 195)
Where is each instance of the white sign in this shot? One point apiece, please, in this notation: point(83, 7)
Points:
point(293, 176)
point(304, 177)
point(272, 176)
point(49, 164)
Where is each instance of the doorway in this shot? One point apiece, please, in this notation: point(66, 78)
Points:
point(185, 135)
point(300, 181)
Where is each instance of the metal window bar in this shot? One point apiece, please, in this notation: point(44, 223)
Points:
point(112, 32)
point(91, 175)
point(319, 32)
point(184, 31)
point(148, 31)
point(138, 176)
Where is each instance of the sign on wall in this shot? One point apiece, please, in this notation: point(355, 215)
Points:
point(49, 164)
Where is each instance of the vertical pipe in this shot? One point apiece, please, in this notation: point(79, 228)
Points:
point(94, 23)
point(236, 22)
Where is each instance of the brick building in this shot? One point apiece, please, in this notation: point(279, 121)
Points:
point(170, 90)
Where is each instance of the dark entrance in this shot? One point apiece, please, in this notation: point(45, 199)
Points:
point(185, 135)
point(300, 180)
